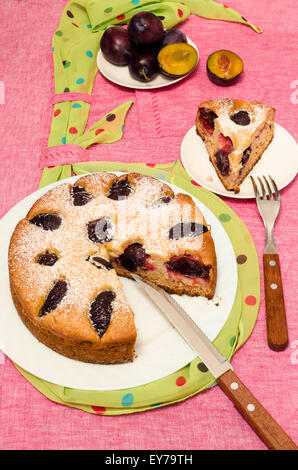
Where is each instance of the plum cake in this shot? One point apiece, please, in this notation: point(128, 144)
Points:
point(66, 254)
point(236, 134)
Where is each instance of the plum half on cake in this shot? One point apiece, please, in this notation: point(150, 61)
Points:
point(235, 133)
point(66, 254)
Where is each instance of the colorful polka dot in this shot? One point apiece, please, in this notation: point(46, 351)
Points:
point(121, 17)
point(57, 112)
point(224, 217)
point(99, 131)
point(59, 33)
point(69, 14)
point(99, 409)
point(108, 10)
point(135, 2)
point(127, 400)
point(66, 64)
point(88, 25)
point(194, 183)
point(202, 367)
point(79, 81)
point(76, 105)
point(241, 259)
point(75, 25)
point(73, 130)
point(63, 140)
point(180, 381)
point(151, 165)
point(250, 300)
point(89, 53)
point(180, 13)
point(111, 117)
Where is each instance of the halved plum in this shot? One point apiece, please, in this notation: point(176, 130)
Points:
point(134, 257)
point(207, 117)
point(188, 265)
point(189, 269)
point(224, 67)
point(225, 143)
point(222, 161)
point(177, 59)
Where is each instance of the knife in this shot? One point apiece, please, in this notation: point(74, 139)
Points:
point(255, 414)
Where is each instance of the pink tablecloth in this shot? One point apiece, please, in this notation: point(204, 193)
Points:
point(153, 132)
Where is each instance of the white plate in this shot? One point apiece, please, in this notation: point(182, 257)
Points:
point(160, 349)
point(121, 76)
point(280, 160)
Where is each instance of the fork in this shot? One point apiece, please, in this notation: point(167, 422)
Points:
point(268, 202)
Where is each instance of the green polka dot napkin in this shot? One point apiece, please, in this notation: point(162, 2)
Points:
point(194, 377)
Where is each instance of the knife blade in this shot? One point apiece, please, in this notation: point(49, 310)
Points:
point(251, 409)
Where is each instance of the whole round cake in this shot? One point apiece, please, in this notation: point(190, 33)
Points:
point(66, 254)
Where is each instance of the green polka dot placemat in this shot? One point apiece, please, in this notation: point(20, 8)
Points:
point(194, 377)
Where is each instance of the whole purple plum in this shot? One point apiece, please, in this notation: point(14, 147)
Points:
point(171, 36)
point(143, 65)
point(145, 28)
point(116, 46)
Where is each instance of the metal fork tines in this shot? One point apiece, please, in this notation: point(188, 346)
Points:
point(268, 202)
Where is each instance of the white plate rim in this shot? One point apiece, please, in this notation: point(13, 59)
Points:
point(135, 84)
point(51, 379)
point(224, 192)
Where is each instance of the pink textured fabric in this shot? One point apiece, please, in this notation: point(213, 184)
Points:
point(153, 131)
point(63, 155)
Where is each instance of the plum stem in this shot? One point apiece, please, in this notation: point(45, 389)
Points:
point(143, 72)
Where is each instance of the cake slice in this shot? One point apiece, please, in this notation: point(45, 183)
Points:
point(235, 133)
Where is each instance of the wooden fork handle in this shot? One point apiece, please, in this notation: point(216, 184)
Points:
point(254, 413)
point(277, 331)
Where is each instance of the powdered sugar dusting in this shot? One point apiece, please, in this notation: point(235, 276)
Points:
point(241, 136)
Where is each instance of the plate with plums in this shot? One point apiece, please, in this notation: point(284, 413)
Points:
point(144, 55)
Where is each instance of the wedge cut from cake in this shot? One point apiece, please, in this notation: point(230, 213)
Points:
point(235, 133)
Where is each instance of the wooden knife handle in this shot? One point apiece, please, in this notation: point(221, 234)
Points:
point(277, 331)
point(260, 420)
